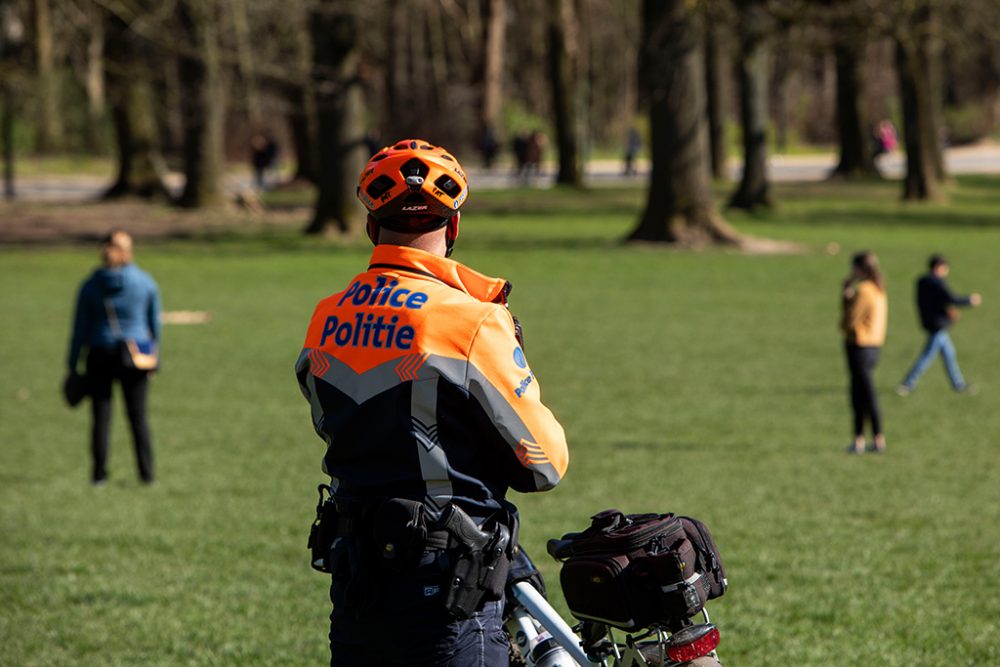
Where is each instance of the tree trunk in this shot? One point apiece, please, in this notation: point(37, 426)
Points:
point(437, 57)
point(203, 104)
point(302, 124)
point(7, 137)
point(94, 81)
point(170, 111)
point(715, 57)
point(932, 46)
point(779, 93)
point(245, 59)
point(921, 181)
point(679, 208)
point(857, 156)
point(564, 44)
point(334, 31)
point(141, 170)
point(493, 64)
point(48, 126)
point(754, 189)
point(301, 98)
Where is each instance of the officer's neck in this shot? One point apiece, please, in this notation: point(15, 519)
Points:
point(432, 242)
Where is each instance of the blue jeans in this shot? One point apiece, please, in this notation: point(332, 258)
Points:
point(937, 341)
point(405, 623)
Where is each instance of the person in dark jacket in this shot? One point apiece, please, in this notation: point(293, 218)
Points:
point(118, 302)
point(938, 311)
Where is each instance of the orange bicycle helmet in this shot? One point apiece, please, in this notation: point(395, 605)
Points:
point(413, 186)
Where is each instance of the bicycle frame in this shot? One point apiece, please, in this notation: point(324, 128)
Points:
point(532, 615)
point(539, 609)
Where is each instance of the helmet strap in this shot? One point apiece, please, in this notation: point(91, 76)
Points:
point(372, 227)
point(451, 233)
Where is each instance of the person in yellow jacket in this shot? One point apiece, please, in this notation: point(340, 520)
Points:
point(863, 321)
point(419, 385)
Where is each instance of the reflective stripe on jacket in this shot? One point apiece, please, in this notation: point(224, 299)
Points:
point(420, 388)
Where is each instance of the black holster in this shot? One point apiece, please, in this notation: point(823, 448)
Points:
point(354, 541)
point(480, 560)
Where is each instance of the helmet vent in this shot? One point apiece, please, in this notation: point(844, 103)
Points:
point(449, 186)
point(380, 156)
point(448, 158)
point(399, 147)
point(379, 186)
point(414, 167)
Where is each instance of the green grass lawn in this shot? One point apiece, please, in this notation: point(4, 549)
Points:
point(706, 383)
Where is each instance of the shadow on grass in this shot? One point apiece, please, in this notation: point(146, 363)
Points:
point(485, 241)
point(972, 203)
point(803, 390)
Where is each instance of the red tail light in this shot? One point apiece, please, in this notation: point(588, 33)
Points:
point(693, 642)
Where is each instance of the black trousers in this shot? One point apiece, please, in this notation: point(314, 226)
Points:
point(104, 367)
point(861, 362)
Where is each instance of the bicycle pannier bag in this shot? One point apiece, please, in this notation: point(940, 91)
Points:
point(639, 570)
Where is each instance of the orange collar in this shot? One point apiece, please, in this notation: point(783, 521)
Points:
point(475, 284)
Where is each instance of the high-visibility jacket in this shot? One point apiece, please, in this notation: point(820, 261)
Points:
point(420, 388)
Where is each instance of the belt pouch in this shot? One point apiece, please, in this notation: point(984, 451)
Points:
point(323, 531)
point(400, 532)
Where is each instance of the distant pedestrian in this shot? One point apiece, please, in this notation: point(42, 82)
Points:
point(117, 311)
point(884, 136)
point(938, 311)
point(264, 152)
point(489, 147)
point(863, 322)
point(633, 144)
point(535, 153)
point(519, 146)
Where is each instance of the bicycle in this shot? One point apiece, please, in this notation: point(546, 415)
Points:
point(540, 637)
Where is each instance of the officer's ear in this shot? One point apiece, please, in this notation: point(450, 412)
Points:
point(451, 232)
point(372, 227)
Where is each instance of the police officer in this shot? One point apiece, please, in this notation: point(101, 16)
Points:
point(418, 383)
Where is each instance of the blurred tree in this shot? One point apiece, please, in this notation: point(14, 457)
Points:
point(717, 57)
point(971, 36)
point(240, 22)
point(12, 42)
point(564, 62)
point(679, 208)
point(48, 126)
point(753, 66)
point(203, 102)
point(141, 170)
point(493, 68)
point(284, 69)
point(86, 59)
point(924, 162)
point(849, 22)
point(778, 102)
point(334, 31)
point(169, 111)
point(301, 97)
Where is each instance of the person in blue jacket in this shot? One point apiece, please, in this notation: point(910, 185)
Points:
point(118, 302)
